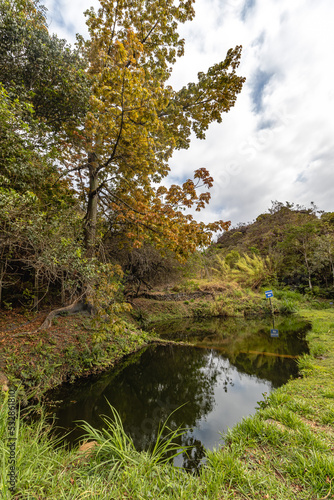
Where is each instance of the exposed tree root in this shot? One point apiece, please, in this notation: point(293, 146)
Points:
point(77, 306)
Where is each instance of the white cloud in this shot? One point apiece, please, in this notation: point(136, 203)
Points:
point(66, 19)
point(276, 143)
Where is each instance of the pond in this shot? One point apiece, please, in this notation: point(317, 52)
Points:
point(219, 380)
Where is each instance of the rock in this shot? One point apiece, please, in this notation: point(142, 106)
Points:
point(4, 382)
point(86, 448)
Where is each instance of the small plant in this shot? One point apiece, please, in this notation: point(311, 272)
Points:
point(328, 394)
point(263, 403)
point(8, 305)
point(287, 307)
point(202, 310)
point(306, 364)
point(287, 294)
point(320, 305)
point(139, 315)
point(318, 349)
point(116, 449)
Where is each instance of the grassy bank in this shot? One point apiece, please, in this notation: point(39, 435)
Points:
point(283, 452)
point(72, 347)
point(203, 299)
point(206, 299)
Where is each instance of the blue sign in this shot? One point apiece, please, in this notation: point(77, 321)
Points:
point(274, 333)
point(269, 293)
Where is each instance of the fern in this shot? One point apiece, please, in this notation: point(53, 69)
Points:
point(253, 271)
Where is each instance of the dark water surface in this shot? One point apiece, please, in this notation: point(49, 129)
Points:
point(219, 381)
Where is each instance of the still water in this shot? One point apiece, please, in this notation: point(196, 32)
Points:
point(219, 380)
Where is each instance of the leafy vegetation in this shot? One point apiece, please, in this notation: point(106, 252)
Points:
point(114, 449)
point(72, 347)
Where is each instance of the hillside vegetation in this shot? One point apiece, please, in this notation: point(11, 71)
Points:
point(295, 243)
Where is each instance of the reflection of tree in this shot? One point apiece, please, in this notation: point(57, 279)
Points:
point(80, 401)
point(243, 343)
point(193, 458)
point(147, 391)
point(246, 353)
point(166, 378)
point(275, 369)
point(231, 331)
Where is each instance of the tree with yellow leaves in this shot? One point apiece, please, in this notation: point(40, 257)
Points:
point(136, 120)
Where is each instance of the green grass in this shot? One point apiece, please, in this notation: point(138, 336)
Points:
point(285, 451)
point(115, 448)
point(114, 469)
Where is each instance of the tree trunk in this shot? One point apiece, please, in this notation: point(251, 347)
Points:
point(308, 270)
point(91, 215)
point(62, 288)
point(309, 282)
point(77, 306)
point(2, 273)
point(36, 290)
point(332, 267)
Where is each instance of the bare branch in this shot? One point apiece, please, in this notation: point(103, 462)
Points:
point(119, 133)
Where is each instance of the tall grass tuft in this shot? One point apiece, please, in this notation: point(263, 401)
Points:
point(37, 462)
point(115, 449)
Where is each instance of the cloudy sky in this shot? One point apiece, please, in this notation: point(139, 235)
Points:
point(277, 142)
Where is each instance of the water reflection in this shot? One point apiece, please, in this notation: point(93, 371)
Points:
point(219, 381)
point(248, 344)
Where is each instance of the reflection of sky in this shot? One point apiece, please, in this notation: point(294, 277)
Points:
point(240, 400)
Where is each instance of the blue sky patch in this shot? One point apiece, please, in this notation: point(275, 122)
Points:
point(57, 16)
point(249, 5)
point(301, 177)
point(264, 124)
point(259, 81)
